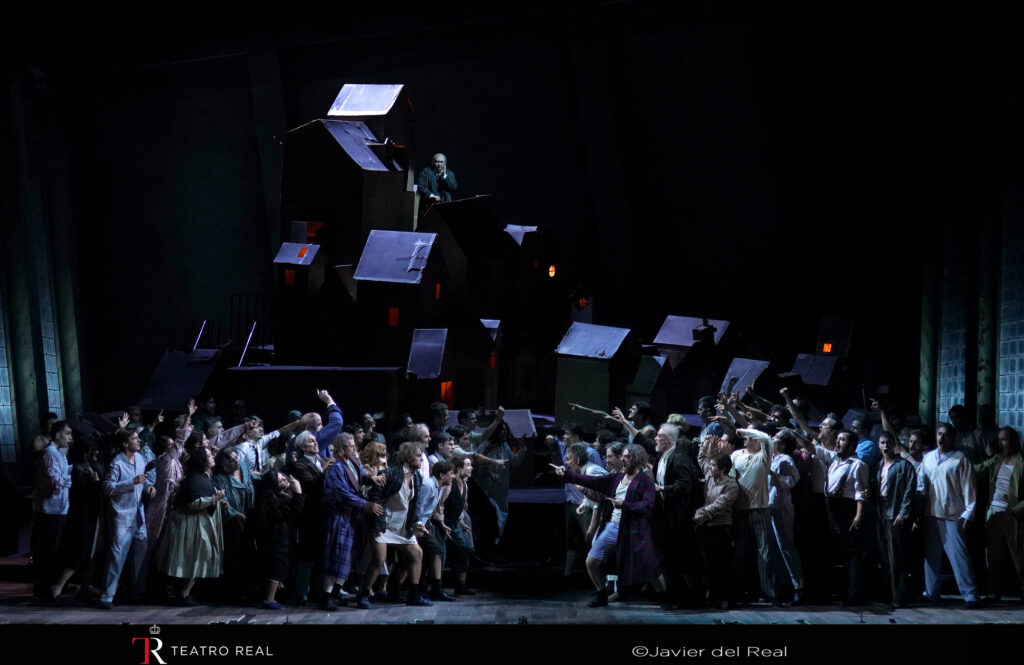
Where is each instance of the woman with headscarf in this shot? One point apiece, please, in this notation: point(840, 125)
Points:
point(193, 544)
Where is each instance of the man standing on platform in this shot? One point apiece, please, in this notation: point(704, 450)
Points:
point(436, 183)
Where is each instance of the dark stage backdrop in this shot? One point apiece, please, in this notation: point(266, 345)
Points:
point(704, 159)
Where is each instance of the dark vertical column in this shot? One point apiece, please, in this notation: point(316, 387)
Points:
point(989, 262)
point(63, 257)
point(931, 301)
point(1010, 406)
point(611, 214)
point(269, 115)
point(21, 212)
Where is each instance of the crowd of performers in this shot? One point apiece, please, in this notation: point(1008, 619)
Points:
point(755, 505)
point(334, 510)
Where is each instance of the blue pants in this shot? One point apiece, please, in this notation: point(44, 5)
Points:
point(785, 552)
point(122, 543)
point(946, 536)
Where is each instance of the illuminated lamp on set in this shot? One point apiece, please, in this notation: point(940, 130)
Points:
point(448, 392)
point(289, 277)
point(437, 291)
point(302, 252)
point(392, 317)
point(826, 348)
point(494, 359)
point(582, 303)
point(551, 270)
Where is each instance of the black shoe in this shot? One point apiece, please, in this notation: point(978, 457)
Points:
point(464, 591)
point(600, 600)
point(442, 597)
point(420, 601)
point(326, 603)
point(972, 605)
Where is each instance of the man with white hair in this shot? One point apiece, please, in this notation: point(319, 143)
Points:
point(677, 487)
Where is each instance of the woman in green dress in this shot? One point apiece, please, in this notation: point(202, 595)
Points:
point(193, 544)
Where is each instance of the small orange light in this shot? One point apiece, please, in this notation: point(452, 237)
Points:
point(494, 359)
point(289, 277)
point(582, 303)
point(392, 317)
point(826, 348)
point(302, 252)
point(551, 270)
point(437, 291)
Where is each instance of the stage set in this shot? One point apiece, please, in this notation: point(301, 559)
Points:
point(554, 210)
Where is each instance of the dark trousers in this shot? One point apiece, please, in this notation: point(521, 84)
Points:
point(716, 552)
point(850, 543)
point(894, 560)
point(812, 539)
point(47, 531)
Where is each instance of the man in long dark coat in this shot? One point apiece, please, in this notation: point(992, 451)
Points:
point(678, 488)
point(308, 469)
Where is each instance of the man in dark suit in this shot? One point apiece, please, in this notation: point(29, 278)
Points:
point(308, 469)
point(677, 486)
point(436, 183)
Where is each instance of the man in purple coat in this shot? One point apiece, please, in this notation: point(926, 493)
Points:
point(629, 531)
point(343, 505)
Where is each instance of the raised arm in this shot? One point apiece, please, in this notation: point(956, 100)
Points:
point(620, 418)
point(797, 414)
point(499, 416)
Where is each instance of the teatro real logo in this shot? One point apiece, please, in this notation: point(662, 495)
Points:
point(151, 645)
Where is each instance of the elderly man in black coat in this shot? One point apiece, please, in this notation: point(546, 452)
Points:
point(308, 468)
point(436, 183)
point(678, 488)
